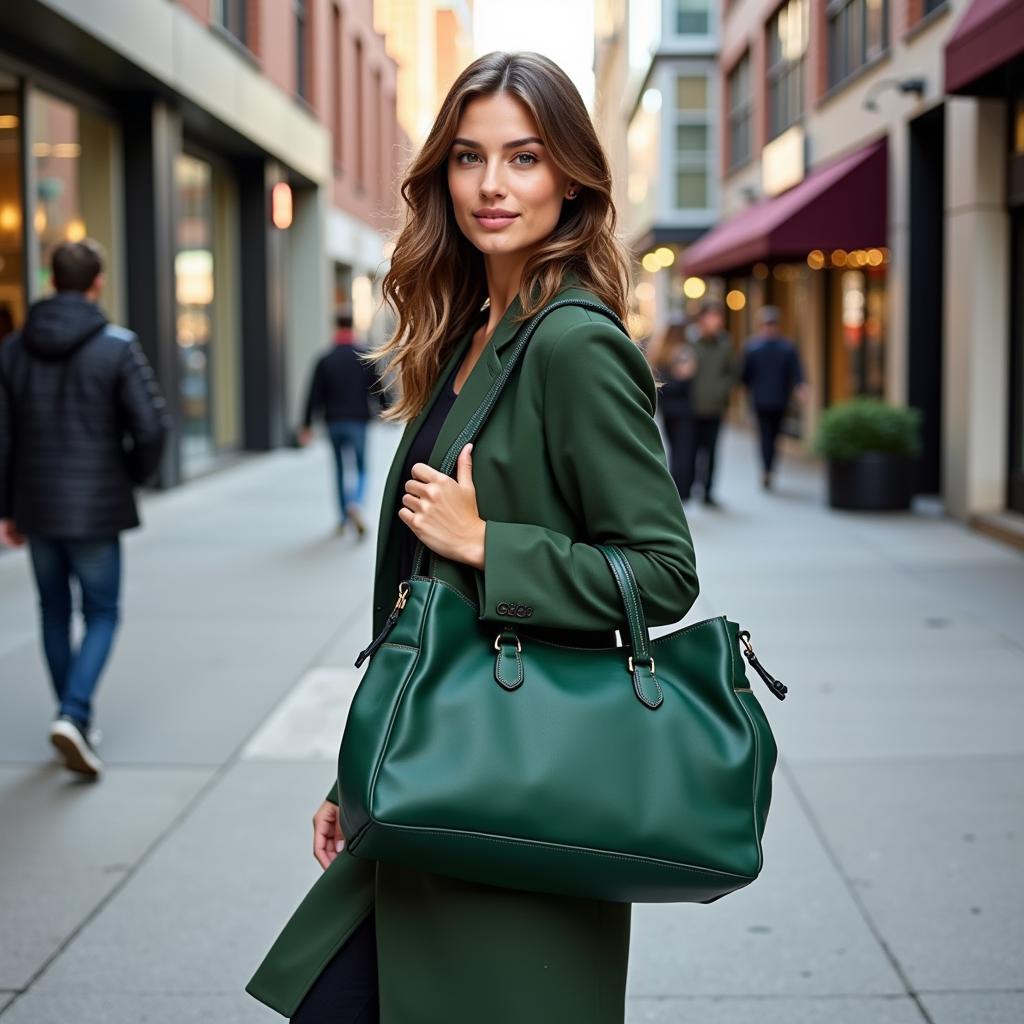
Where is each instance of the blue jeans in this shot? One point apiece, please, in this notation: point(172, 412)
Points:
point(97, 567)
point(349, 434)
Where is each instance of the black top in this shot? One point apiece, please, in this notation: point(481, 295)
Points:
point(419, 451)
point(81, 422)
point(341, 386)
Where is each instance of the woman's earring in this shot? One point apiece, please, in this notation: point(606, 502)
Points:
point(572, 193)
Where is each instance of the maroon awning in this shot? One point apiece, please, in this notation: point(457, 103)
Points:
point(839, 206)
point(989, 34)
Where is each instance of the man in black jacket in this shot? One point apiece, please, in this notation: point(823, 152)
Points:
point(81, 423)
point(340, 391)
point(772, 374)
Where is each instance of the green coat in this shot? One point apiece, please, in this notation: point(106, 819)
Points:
point(571, 455)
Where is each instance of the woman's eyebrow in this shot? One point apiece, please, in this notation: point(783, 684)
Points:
point(508, 145)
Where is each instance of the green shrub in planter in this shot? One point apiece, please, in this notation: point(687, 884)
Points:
point(866, 425)
point(870, 448)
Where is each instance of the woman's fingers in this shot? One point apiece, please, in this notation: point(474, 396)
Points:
point(326, 833)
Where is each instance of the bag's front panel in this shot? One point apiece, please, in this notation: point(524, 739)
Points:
point(571, 756)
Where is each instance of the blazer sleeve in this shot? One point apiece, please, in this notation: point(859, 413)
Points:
point(608, 461)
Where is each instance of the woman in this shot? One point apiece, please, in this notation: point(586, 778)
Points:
point(509, 201)
point(674, 363)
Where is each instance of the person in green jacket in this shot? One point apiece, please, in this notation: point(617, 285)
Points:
point(710, 388)
point(509, 206)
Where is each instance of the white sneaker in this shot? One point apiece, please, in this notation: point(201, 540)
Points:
point(75, 748)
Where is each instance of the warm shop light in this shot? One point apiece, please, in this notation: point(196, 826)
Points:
point(281, 205)
point(694, 287)
point(651, 263)
point(39, 221)
point(10, 217)
point(67, 150)
point(75, 231)
point(8, 121)
point(665, 256)
point(761, 271)
point(839, 257)
point(735, 300)
point(815, 259)
point(644, 291)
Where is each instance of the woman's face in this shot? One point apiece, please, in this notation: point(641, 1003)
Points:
point(506, 191)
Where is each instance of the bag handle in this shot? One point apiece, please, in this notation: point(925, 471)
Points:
point(641, 662)
point(476, 422)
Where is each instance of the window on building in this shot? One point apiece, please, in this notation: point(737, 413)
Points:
point(693, 17)
point(858, 32)
point(787, 47)
point(359, 140)
point(932, 5)
point(692, 142)
point(231, 16)
point(302, 77)
point(739, 112)
point(337, 108)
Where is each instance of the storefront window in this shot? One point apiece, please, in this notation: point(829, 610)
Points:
point(857, 337)
point(231, 15)
point(12, 260)
point(75, 152)
point(207, 320)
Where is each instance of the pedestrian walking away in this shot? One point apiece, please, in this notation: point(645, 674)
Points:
point(510, 210)
point(674, 363)
point(715, 376)
point(772, 374)
point(340, 391)
point(81, 424)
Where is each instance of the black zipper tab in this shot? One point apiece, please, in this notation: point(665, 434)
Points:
point(403, 596)
point(778, 688)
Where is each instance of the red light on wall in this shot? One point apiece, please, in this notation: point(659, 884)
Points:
point(281, 205)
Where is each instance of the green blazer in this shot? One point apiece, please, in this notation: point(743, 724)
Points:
point(570, 457)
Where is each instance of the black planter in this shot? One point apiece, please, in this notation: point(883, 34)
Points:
point(873, 482)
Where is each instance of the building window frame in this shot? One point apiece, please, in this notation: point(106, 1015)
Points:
point(740, 112)
point(232, 16)
point(788, 32)
point(679, 10)
point(692, 160)
point(337, 102)
point(301, 19)
point(848, 25)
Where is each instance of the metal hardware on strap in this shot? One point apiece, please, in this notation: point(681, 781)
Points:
point(645, 683)
point(479, 418)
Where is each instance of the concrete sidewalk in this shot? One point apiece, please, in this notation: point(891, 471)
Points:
point(888, 893)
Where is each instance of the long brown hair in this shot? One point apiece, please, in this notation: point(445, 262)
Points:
point(436, 284)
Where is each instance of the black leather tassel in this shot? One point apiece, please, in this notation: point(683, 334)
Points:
point(778, 688)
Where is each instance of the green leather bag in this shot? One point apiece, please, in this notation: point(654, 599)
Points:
point(639, 773)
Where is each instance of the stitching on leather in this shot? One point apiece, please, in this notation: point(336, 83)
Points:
point(562, 848)
point(404, 647)
point(394, 714)
point(757, 747)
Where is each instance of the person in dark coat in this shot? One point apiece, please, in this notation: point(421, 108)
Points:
point(672, 359)
point(771, 374)
point(710, 390)
point(340, 391)
point(81, 423)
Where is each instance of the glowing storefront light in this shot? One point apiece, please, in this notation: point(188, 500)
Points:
point(735, 300)
point(694, 287)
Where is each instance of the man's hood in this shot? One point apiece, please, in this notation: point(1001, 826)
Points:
point(58, 326)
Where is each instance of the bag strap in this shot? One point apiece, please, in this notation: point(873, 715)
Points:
point(476, 422)
point(641, 662)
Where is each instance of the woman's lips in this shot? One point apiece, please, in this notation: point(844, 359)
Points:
point(495, 223)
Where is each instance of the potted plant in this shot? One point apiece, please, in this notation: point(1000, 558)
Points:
point(870, 448)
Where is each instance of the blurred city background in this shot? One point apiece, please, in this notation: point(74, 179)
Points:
point(858, 164)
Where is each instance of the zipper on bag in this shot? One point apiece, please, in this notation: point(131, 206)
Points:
point(403, 596)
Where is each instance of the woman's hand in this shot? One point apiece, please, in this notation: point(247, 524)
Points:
point(442, 511)
point(328, 840)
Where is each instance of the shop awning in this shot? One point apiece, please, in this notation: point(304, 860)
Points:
point(989, 34)
point(839, 206)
